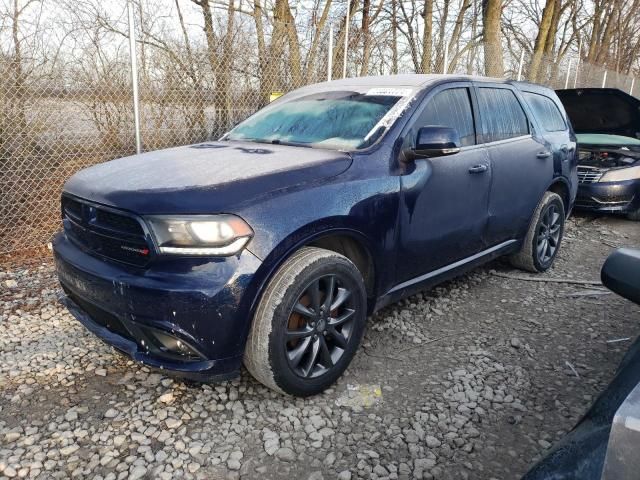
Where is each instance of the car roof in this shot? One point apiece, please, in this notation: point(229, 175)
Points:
point(405, 80)
point(413, 81)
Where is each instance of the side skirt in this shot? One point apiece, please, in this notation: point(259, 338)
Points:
point(445, 273)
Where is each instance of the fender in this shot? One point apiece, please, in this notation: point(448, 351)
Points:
point(306, 235)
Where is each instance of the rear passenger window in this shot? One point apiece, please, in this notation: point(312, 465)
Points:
point(502, 115)
point(451, 108)
point(546, 111)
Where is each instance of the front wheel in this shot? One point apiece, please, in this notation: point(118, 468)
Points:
point(308, 324)
point(544, 236)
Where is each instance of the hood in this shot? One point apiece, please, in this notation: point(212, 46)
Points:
point(209, 177)
point(606, 140)
point(602, 110)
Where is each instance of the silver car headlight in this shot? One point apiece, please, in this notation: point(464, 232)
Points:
point(621, 174)
point(208, 235)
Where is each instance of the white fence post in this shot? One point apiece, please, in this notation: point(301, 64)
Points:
point(134, 77)
point(566, 81)
point(604, 79)
point(330, 59)
point(445, 60)
point(633, 81)
point(520, 65)
point(575, 78)
point(346, 40)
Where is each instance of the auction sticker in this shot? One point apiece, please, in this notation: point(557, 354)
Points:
point(389, 92)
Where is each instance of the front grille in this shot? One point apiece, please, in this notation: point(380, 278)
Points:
point(589, 174)
point(105, 232)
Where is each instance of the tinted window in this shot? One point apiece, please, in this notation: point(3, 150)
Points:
point(333, 119)
point(546, 112)
point(450, 108)
point(502, 114)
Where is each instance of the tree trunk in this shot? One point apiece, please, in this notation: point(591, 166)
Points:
point(223, 77)
point(491, 17)
point(442, 43)
point(427, 45)
point(294, 44)
point(313, 51)
point(454, 43)
point(541, 40)
point(20, 117)
point(602, 58)
point(595, 31)
point(394, 37)
point(198, 123)
point(263, 55)
point(366, 41)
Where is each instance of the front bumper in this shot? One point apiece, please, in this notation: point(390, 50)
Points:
point(614, 197)
point(201, 305)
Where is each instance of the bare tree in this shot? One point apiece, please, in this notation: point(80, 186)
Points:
point(491, 16)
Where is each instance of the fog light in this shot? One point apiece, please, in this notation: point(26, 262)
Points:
point(168, 344)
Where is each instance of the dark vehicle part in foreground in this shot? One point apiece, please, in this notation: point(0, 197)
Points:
point(607, 126)
point(271, 246)
point(605, 442)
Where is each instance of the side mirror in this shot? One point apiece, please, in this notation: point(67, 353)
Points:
point(621, 273)
point(436, 141)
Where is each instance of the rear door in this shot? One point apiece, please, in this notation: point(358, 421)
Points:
point(521, 163)
point(552, 121)
point(445, 199)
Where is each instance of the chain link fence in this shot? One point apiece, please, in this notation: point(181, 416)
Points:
point(55, 123)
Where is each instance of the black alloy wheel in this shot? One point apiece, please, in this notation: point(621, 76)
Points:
point(320, 326)
point(549, 230)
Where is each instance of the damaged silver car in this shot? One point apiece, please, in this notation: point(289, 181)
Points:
point(607, 126)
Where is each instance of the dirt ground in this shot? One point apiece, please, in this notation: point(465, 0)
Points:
point(475, 379)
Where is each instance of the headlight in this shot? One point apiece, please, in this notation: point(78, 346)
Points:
point(619, 174)
point(214, 235)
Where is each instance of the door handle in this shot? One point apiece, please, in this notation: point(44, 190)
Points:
point(543, 155)
point(478, 169)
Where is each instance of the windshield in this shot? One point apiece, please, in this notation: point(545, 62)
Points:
point(334, 119)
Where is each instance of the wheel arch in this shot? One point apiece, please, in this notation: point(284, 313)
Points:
point(561, 187)
point(340, 238)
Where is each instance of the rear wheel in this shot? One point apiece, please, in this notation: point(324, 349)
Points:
point(543, 239)
point(308, 324)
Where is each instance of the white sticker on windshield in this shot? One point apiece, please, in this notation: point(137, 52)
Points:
point(389, 92)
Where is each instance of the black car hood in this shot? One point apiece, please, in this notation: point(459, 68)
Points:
point(204, 178)
point(602, 110)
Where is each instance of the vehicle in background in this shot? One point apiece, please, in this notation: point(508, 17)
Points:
point(607, 126)
point(604, 444)
point(272, 245)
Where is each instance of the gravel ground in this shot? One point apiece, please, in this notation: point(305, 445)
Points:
point(472, 380)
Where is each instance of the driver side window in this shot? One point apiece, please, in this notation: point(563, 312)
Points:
point(450, 108)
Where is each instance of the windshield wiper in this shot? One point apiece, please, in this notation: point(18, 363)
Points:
point(277, 141)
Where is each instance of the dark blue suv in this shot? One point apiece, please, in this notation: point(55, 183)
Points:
point(271, 246)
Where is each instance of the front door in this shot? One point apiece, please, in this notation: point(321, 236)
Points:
point(445, 199)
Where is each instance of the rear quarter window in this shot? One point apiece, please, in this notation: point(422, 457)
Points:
point(546, 111)
point(502, 115)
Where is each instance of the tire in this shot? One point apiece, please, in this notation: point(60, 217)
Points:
point(529, 257)
point(635, 215)
point(278, 363)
